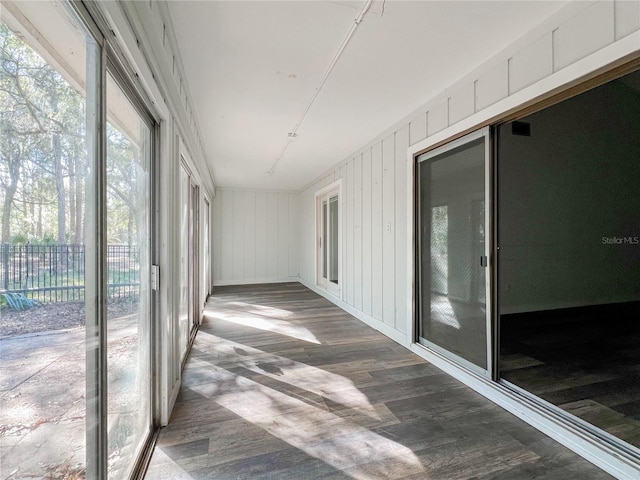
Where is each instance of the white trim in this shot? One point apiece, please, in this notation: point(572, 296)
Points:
point(256, 281)
point(627, 46)
point(614, 461)
point(325, 191)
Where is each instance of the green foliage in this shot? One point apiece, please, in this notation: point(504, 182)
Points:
point(19, 239)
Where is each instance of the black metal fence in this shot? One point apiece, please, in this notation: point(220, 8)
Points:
point(56, 273)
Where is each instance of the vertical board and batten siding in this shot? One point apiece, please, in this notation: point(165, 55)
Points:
point(366, 233)
point(388, 229)
point(373, 209)
point(376, 218)
point(376, 231)
point(350, 234)
point(357, 232)
point(255, 235)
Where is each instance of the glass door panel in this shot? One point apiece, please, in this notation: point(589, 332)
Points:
point(183, 308)
point(48, 104)
point(333, 239)
point(128, 271)
point(325, 232)
point(328, 211)
point(194, 253)
point(452, 251)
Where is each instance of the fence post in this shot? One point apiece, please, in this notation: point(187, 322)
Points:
point(26, 269)
point(5, 261)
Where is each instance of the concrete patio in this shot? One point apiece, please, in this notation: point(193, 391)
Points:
point(42, 398)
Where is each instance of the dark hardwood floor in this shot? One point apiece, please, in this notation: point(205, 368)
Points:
point(585, 360)
point(282, 384)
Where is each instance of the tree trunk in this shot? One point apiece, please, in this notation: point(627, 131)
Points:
point(9, 194)
point(79, 231)
point(6, 212)
point(72, 201)
point(57, 158)
point(57, 162)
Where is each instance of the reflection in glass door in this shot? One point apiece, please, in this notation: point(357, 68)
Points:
point(194, 249)
point(453, 253)
point(189, 310)
point(183, 309)
point(128, 271)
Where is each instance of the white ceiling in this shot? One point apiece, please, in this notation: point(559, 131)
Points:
point(252, 68)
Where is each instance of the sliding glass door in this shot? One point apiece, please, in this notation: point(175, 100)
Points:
point(75, 190)
point(189, 311)
point(128, 216)
point(453, 253)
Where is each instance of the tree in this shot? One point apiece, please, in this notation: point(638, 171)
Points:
point(42, 146)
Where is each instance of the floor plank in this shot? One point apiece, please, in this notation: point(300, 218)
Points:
point(281, 384)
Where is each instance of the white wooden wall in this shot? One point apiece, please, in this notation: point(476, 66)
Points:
point(255, 236)
point(375, 266)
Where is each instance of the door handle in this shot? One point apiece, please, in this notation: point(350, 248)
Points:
point(483, 261)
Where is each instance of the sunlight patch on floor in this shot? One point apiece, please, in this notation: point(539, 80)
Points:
point(317, 432)
point(312, 379)
point(274, 325)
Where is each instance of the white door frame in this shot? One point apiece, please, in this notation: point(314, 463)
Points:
point(324, 195)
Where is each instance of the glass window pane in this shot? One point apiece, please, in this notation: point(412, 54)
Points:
point(452, 243)
point(333, 240)
point(325, 245)
point(129, 296)
point(44, 158)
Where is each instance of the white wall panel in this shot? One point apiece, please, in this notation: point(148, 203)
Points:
point(462, 104)
point(418, 128)
point(237, 230)
point(627, 17)
point(256, 236)
point(225, 232)
point(349, 200)
point(388, 229)
point(492, 86)
point(367, 293)
point(249, 236)
point(216, 226)
point(261, 234)
point(272, 233)
point(283, 235)
point(292, 234)
point(376, 230)
point(438, 117)
point(401, 219)
point(587, 32)
point(357, 233)
point(531, 64)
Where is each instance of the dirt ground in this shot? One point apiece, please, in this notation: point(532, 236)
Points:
point(57, 316)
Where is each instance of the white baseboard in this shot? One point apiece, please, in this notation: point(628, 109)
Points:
point(251, 281)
